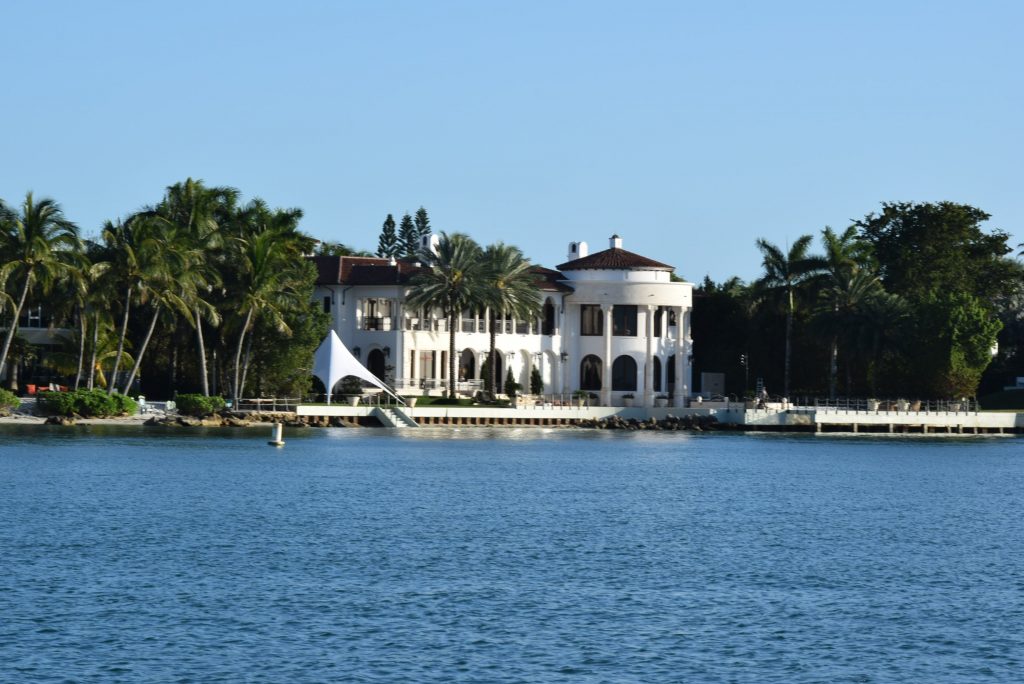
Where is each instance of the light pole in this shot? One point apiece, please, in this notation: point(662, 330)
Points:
point(746, 372)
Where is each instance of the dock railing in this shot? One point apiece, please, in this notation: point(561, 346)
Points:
point(845, 404)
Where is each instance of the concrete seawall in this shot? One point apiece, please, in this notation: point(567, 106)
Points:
point(802, 419)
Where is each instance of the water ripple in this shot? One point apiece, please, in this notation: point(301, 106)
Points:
point(508, 556)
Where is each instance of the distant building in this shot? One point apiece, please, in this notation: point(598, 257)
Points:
point(613, 323)
point(36, 328)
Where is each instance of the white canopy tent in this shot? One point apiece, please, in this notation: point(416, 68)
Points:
point(333, 361)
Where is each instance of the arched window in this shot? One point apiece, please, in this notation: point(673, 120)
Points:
point(548, 324)
point(624, 374)
point(467, 365)
point(590, 373)
point(656, 368)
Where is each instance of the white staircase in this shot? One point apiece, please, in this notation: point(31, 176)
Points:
point(394, 416)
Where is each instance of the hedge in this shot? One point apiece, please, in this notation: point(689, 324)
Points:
point(94, 403)
point(8, 401)
point(198, 405)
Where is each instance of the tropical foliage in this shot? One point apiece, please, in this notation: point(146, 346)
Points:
point(93, 403)
point(201, 293)
point(907, 301)
point(173, 295)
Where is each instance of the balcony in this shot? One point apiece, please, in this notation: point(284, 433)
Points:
point(377, 323)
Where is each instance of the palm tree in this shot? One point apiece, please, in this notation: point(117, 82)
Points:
point(169, 284)
point(266, 251)
point(452, 279)
point(510, 288)
point(38, 245)
point(134, 250)
point(784, 273)
point(198, 212)
point(845, 283)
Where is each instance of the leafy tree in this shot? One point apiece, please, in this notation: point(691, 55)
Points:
point(951, 273)
point(511, 386)
point(37, 246)
point(536, 381)
point(452, 280)
point(422, 222)
point(408, 238)
point(785, 273)
point(339, 249)
point(387, 244)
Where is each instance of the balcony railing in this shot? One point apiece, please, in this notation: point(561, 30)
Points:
point(377, 323)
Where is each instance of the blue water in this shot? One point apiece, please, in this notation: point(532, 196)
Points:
point(508, 556)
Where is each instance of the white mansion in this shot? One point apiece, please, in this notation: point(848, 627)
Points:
point(613, 324)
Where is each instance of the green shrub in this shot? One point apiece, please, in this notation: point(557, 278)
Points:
point(8, 401)
point(198, 405)
point(124, 405)
point(536, 381)
point(95, 403)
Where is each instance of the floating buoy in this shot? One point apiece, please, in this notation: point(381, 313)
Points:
point(277, 432)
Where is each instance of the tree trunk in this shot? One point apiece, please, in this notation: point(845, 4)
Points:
point(202, 355)
point(214, 370)
point(174, 364)
point(245, 363)
point(142, 349)
point(789, 336)
point(95, 352)
point(14, 322)
point(83, 330)
point(112, 382)
point(236, 390)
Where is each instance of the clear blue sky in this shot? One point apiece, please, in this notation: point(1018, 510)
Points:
point(691, 129)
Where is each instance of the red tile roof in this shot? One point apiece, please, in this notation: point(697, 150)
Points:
point(615, 259)
point(352, 270)
point(549, 280)
point(348, 270)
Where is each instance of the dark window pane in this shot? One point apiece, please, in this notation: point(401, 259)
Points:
point(624, 320)
point(624, 374)
point(591, 320)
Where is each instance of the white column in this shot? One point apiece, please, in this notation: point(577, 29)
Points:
point(688, 351)
point(606, 374)
point(649, 362)
point(681, 388)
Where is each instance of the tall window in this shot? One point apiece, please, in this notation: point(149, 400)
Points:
point(590, 373)
point(624, 374)
point(377, 314)
point(656, 368)
point(591, 320)
point(624, 320)
point(548, 324)
point(327, 305)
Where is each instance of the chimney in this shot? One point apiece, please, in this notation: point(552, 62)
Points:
point(615, 242)
point(429, 243)
point(578, 250)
